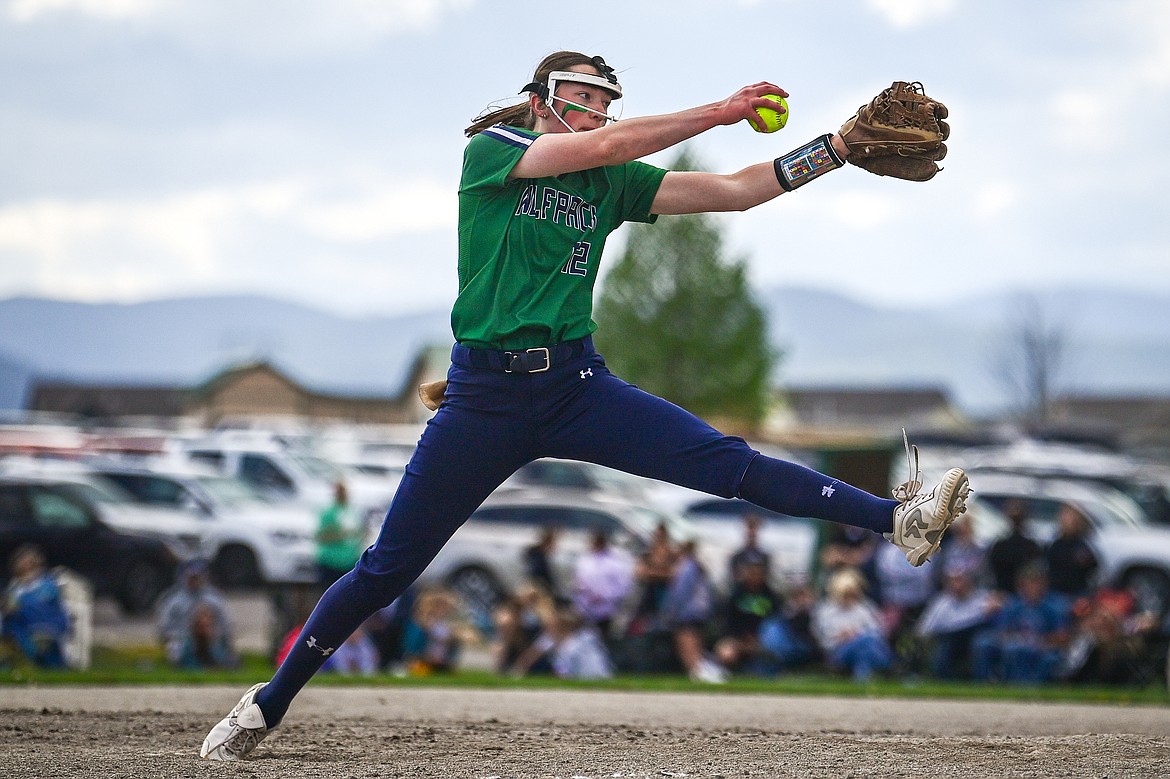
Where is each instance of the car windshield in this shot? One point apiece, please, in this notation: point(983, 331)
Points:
point(99, 490)
point(317, 466)
point(1117, 510)
point(229, 492)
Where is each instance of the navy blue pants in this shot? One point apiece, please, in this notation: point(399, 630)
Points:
point(490, 424)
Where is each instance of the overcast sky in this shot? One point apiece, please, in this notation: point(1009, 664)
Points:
point(310, 149)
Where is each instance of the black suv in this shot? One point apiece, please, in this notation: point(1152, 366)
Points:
point(68, 528)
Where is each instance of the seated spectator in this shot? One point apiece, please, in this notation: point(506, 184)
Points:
point(846, 546)
point(685, 610)
point(538, 567)
point(519, 621)
point(751, 552)
point(847, 626)
point(902, 591)
point(652, 575)
point(1072, 563)
point(786, 638)
point(961, 552)
point(387, 629)
point(434, 637)
point(750, 603)
point(193, 622)
point(1010, 554)
point(1109, 641)
point(603, 579)
point(357, 656)
point(572, 648)
point(1025, 642)
point(951, 621)
point(34, 617)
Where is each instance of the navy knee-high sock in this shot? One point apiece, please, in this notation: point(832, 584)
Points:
point(341, 611)
point(792, 489)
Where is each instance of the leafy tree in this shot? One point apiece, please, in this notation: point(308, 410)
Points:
point(678, 318)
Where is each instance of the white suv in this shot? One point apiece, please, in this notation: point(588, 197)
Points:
point(251, 540)
point(1134, 552)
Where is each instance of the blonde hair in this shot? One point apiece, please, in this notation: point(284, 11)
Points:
point(520, 115)
point(843, 583)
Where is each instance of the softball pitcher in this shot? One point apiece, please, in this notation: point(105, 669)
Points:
point(544, 183)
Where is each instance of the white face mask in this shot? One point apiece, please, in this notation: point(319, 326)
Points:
point(571, 76)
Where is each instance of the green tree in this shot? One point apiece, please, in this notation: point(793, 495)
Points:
point(678, 318)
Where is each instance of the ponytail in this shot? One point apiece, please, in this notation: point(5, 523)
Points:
point(520, 115)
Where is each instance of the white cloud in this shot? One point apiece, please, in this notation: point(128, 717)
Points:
point(29, 10)
point(254, 26)
point(133, 248)
point(906, 14)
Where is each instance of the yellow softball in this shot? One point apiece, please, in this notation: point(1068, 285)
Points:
point(773, 120)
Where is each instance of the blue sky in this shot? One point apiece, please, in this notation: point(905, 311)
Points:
point(310, 149)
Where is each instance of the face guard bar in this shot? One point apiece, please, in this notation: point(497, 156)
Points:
point(608, 82)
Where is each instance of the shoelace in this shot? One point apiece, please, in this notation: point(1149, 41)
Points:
point(908, 490)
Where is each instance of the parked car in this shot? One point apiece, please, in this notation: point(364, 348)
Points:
point(483, 561)
point(291, 474)
point(1134, 552)
point(1146, 482)
point(251, 540)
point(71, 530)
point(183, 532)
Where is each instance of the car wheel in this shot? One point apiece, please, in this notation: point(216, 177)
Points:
point(480, 592)
point(142, 584)
point(1150, 588)
point(236, 566)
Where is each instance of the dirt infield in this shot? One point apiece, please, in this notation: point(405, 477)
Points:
point(483, 734)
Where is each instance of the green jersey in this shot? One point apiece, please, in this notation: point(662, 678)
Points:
point(529, 249)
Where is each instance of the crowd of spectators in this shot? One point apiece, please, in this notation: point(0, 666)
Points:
point(1017, 611)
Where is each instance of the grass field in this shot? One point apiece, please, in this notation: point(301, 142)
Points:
point(137, 666)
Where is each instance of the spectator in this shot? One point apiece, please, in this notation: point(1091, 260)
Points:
point(786, 638)
point(652, 575)
point(751, 552)
point(193, 622)
point(1025, 643)
point(340, 538)
point(603, 579)
point(34, 617)
point(519, 622)
point(751, 602)
point(538, 566)
point(902, 592)
point(953, 618)
point(685, 611)
point(1072, 563)
point(434, 638)
point(850, 547)
point(1109, 641)
point(387, 629)
point(572, 648)
point(357, 656)
point(1010, 554)
point(961, 552)
point(847, 626)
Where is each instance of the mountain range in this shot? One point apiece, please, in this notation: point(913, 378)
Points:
point(1113, 343)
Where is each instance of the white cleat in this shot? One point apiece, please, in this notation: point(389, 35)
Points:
point(923, 517)
point(239, 732)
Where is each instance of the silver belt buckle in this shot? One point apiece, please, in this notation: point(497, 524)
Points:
point(547, 358)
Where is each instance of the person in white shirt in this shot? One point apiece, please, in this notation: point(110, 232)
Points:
point(603, 579)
